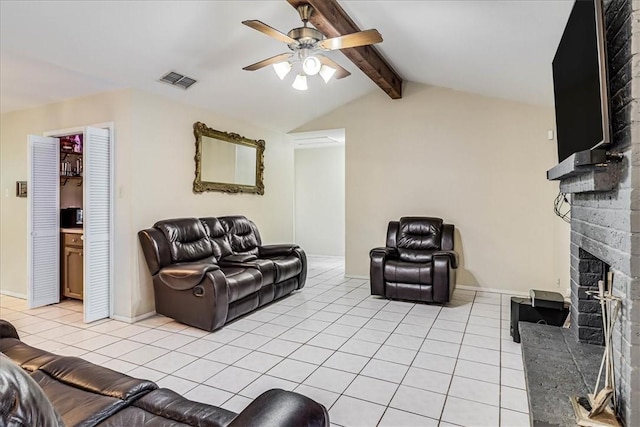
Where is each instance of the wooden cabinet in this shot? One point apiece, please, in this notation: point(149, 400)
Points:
point(72, 265)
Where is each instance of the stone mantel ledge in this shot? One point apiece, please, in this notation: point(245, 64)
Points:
point(585, 172)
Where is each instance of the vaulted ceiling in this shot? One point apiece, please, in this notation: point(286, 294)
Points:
point(55, 50)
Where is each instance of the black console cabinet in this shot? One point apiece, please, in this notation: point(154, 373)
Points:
point(523, 311)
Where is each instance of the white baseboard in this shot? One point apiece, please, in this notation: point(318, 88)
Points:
point(13, 294)
point(493, 290)
point(356, 276)
point(326, 256)
point(133, 319)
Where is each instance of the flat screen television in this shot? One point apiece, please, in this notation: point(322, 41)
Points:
point(580, 83)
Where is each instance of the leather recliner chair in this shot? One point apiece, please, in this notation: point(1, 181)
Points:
point(418, 262)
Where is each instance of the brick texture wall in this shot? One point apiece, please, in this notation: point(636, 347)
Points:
point(606, 225)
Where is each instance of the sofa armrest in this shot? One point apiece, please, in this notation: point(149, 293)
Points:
point(284, 409)
point(182, 277)
point(276, 250)
point(451, 255)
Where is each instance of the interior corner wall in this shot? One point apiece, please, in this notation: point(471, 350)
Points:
point(477, 162)
point(319, 200)
point(163, 171)
point(14, 128)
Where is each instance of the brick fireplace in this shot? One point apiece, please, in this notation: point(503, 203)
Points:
point(586, 314)
point(605, 212)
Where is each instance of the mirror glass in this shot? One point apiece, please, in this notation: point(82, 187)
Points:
point(227, 162)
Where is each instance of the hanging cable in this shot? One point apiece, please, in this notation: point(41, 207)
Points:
point(562, 207)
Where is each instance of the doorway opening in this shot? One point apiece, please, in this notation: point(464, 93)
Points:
point(319, 196)
point(70, 221)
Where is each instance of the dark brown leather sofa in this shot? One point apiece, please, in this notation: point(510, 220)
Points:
point(209, 271)
point(418, 262)
point(50, 388)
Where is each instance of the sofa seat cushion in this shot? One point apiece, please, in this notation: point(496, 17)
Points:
point(27, 357)
point(266, 266)
point(242, 282)
point(287, 266)
point(408, 272)
point(77, 407)
point(165, 408)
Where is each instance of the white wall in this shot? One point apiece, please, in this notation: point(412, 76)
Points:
point(154, 172)
point(475, 161)
point(319, 200)
point(164, 171)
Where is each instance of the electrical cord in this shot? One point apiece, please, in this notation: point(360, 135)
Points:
point(562, 207)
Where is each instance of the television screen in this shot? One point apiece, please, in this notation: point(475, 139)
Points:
point(580, 81)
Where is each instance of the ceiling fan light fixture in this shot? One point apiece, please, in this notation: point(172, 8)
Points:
point(282, 69)
point(311, 65)
point(300, 83)
point(326, 73)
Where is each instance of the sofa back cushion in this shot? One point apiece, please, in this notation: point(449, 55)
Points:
point(417, 237)
point(243, 234)
point(218, 237)
point(187, 238)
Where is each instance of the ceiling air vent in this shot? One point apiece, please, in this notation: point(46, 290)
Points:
point(176, 79)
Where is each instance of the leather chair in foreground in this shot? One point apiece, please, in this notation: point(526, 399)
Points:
point(42, 389)
point(418, 263)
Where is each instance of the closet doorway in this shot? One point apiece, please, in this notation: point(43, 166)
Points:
point(90, 249)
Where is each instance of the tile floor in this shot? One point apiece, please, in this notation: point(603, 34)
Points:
point(370, 361)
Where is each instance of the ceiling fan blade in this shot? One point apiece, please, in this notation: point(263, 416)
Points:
point(268, 61)
point(340, 72)
point(270, 31)
point(361, 38)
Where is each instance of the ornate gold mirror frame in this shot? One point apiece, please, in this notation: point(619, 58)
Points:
point(202, 132)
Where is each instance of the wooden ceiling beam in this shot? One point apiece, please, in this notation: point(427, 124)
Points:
point(332, 21)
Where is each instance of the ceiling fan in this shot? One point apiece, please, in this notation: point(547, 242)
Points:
point(307, 45)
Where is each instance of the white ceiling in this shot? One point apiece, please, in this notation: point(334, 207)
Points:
point(55, 50)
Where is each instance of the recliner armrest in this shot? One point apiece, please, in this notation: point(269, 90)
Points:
point(452, 255)
point(276, 250)
point(284, 409)
point(182, 277)
point(383, 252)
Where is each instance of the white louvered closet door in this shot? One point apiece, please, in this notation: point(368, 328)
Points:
point(43, 201)
point(97, 223)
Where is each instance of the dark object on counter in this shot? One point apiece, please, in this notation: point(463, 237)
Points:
point(418, 262)
point(209, 271)
point(544, 307)
point(71, 218)
point(84, 394)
